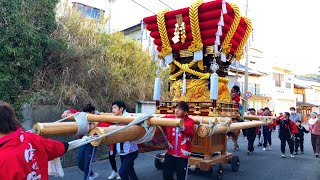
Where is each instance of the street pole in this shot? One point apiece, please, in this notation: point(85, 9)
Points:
point(245, 104)
point(109, 25)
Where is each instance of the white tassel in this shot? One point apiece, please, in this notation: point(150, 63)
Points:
point(55, 168)
point(224, 7)
point(221, 20)
point(219, 30)
point(168, 58)
point(184, 85)
point(157, 89)
point(198, 55)
point(223, 57)
point(216, 49)
point(217, 39)
point(214, 80)
point(163, 64)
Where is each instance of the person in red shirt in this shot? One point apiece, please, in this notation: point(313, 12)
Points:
point(24, 155)
point(179, 144)
point(287, 131)
point(235, 97)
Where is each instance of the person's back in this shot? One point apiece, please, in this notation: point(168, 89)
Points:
point(24, 155)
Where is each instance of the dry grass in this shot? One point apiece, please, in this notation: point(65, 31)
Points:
point(96, 68)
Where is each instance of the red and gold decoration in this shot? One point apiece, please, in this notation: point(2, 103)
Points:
point(190, 40)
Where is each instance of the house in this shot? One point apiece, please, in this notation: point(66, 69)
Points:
point(280, 85)
point(307, 97)
point(260, 97)
point(89, 9)
point(139, 33)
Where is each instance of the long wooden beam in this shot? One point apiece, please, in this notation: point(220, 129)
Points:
point(206, 119)
point(205, 131)
point(154, 121)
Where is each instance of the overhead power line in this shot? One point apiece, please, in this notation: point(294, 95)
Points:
point(166, 5)
point(143, 7)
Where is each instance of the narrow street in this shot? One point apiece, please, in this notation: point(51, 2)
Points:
point(262, 165)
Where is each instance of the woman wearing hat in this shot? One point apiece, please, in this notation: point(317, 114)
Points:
point(314, 128)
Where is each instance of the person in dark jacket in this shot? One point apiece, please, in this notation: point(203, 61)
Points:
point(288, 130)
point(300, 137)
point(267, 131)
point(86, 151)
point(251, 133)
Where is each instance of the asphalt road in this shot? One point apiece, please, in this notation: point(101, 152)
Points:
point(262, 165)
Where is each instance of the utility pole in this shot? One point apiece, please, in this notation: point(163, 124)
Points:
point(245, 105)
point(109, 25)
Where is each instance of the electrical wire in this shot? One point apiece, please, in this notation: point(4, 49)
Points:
point(166, 5)
point(143, 7)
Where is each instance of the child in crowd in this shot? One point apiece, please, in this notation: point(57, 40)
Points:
point(300, 137)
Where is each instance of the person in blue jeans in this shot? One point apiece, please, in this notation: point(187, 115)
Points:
point(85, 152)
point(128, 150)
point(84, 160)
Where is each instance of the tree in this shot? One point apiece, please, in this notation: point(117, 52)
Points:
point(97, 67)
point(25, 28)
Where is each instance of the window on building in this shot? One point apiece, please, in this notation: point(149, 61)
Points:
point(278, 78)
point(88, 11)
point(300, 97)
point(288, 85)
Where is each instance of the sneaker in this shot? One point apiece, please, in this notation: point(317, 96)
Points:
point(118, 177)
point(296, 153)
point(249, 153)
point(113, 175)
point(270, 148)
point(283, 156)
point(95, 175)
point(291, 155)
point(317, 155)
point(264, 149)
point(302, 152)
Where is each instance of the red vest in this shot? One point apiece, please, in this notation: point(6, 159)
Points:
point(182, 147)
point(25, 155)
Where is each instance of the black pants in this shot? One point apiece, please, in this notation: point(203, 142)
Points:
point(315, 141)
point(126, 171)
point(251, 138)
point(297, 143)
point(84, 159)
point(112, 158)
point(174, 164)
point(283, 144)
point(266, 138)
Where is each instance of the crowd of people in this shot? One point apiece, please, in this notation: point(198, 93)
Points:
point(290, 131)
point(28, 148)
point(30, 153)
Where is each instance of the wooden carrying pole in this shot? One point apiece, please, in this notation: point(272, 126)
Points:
point(154, 121)
point(207, 119)
point(132, 133)
point(61, 128)
point(71, 128)
point(204, 130)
